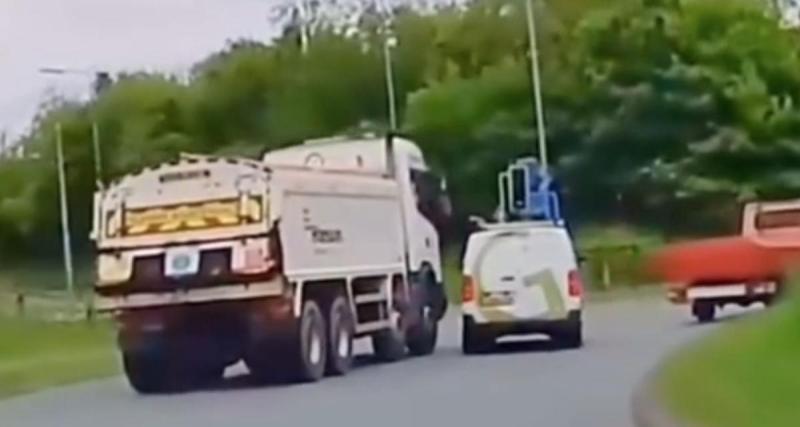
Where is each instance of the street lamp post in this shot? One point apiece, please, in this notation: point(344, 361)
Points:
point(536, 81)
point(66, 238)
point(388, 45)
point(98, 164)
point(2, 144)
point(65, 229)
point(102, 77)
point(303, 13)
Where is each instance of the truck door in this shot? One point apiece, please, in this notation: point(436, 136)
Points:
point(432, 199)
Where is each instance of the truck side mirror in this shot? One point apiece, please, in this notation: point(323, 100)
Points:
point(477, 221)
point(445, 204)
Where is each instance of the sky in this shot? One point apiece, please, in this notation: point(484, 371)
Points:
point(112, 35)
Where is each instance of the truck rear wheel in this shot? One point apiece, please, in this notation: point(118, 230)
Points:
point(389, 344)
point(474, 339)
point(147, 373)
point(310, 352)
point(424, 332)
point(704, 311)
point(340, 337)
point(297, 355)
point(211, 374)
point(266, 359)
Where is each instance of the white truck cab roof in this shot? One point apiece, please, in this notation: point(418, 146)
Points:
point(367, 154)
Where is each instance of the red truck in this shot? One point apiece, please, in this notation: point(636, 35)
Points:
point(751, 268)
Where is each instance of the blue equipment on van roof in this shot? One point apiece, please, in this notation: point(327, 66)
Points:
point(529, 193)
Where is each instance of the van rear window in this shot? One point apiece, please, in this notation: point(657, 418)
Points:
point(778, 219)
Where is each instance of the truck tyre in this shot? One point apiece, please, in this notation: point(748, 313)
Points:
point(147, 373)
point(390, 345)
point(340, 337)
point(704, 311)
point(424, 332)
point(298, 355)
point(211, 375)
point(778, 295)
point(267, 360)
point(474, 339)
point(310, 351)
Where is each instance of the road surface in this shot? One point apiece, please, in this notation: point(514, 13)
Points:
point(523, 384)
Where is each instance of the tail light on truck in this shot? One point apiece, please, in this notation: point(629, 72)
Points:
point(575, 284)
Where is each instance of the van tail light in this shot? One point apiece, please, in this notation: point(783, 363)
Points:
point(468, 289)
point(575, 284)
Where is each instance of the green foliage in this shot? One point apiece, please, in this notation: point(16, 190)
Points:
point(652, 107)
point(743, 375)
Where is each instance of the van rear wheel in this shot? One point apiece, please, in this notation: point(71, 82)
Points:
point(570, 334)
point(475, 339)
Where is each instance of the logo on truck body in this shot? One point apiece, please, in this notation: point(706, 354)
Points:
point(325, 236)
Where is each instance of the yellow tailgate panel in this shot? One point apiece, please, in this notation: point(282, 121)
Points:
point(190, 216)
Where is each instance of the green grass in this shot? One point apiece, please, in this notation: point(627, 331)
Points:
point(615, 255)
point(745, 375)
point(617, 235)
point(451, 266)
point(44, 276)
point(36, 354)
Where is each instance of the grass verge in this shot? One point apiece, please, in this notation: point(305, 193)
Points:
point(744, 375)
point(36, 354)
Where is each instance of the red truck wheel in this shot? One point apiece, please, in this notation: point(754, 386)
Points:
point(704, 311)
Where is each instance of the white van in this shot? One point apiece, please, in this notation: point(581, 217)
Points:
point(521, 278)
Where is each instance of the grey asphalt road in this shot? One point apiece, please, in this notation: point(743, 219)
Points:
point(522, 384)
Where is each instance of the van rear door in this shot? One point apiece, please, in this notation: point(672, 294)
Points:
point(526, 271)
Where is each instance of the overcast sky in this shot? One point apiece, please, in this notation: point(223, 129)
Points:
point(114, 35)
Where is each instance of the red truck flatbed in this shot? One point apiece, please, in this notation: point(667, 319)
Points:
point(744, 269)
point(726, 259)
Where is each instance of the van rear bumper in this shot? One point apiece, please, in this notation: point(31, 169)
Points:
point(534, 326)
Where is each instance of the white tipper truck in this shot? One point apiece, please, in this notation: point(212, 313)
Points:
point(281, 262)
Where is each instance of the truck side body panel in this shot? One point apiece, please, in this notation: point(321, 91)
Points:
point(369, 156)
point(334, 227)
